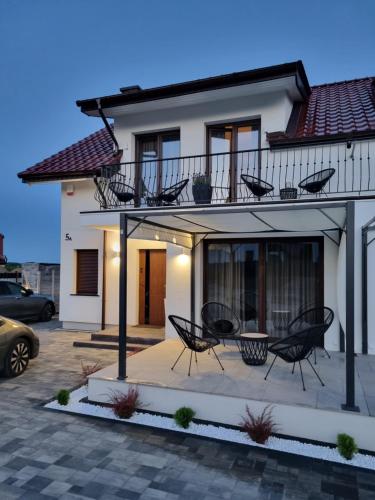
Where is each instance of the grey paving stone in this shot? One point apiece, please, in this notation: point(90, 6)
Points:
point(47, 455)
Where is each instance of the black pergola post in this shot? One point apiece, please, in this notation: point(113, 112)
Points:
point(192, 280)
point(349, 334)
point(123, 297)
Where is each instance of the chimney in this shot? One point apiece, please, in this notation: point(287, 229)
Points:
point(132, 89)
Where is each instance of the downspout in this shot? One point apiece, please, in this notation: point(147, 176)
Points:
point(116, 153)
point(109, 128)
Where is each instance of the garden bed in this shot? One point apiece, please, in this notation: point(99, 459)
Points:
point(144, 418)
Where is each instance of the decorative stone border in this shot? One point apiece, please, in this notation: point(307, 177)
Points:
point(211, 431)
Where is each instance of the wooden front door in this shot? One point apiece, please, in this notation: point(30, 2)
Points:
point(152, 282)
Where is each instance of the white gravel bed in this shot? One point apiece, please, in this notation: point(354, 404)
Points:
point(212, 431)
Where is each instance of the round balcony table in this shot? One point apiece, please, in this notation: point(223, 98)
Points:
point(254, 348)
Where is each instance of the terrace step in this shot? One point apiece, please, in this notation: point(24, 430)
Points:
point(106, 345)
point(103, 337)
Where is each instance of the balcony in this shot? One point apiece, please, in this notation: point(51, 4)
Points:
point(340, 170)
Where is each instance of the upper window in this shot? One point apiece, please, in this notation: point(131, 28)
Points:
point(233, 149)
point(156, 170)
point(87, 272)
point(230, 137)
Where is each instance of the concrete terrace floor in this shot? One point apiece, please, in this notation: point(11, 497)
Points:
point(46, 455)
point(152, 367)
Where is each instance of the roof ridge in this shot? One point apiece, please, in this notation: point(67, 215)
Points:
point(340, 82)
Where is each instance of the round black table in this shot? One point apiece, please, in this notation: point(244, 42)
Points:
point(254, 348)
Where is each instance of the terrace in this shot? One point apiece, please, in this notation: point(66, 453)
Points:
point(222, 396)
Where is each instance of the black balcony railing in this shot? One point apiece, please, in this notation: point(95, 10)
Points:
point(327, 171)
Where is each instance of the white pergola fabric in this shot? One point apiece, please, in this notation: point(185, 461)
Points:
point(149, 232)
point(233, 220)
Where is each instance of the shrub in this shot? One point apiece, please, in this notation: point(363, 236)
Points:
point(89, 370)
point(184, 416)
point(63, 397)
point(346, 446)
point(260, 428)
point(124, 405)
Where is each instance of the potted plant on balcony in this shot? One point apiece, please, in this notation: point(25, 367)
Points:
point(202, 189)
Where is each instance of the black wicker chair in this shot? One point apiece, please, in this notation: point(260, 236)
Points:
point(315, 183)
point(167, 196)
point(191, 336)
point(123, 192)
point(310, 316)
point(258, 187)
point(220, 320)
point(304, 334)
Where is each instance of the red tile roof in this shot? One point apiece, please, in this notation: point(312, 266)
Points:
point(338, 108)
point(78, 160)
point(331, 111)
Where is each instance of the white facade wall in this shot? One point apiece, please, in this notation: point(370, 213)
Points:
point(273, 110)
point(78, 311)
point(83, 312)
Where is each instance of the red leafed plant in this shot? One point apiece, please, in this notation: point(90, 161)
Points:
point(124, 405)
point(89, 370)
point(260, 428)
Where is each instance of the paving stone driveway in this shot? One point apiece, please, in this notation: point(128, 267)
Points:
point(45, 455)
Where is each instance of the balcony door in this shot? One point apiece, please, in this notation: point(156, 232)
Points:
point(229, 145)
point(267, 282)
point(155, 170)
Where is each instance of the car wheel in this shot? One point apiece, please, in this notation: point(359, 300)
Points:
point(47, 312)
point(17, 358)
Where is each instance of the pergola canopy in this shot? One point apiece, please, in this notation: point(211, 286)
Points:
point(178, 225)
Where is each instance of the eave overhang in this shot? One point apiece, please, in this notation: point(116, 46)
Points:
point(293, 69)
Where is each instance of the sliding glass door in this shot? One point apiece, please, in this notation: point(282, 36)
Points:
point(268, 282)
point(233, 278)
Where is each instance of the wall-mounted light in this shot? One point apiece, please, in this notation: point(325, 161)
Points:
point(116, 252)
point(174, 240)
point(157, 237)
point(183, 258)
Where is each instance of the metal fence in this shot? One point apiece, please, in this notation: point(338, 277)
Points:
point(227, 176)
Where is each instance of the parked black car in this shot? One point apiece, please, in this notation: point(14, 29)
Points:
point(18, 344)
point(21, 303)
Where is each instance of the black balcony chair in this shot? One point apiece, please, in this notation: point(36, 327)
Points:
point(310, 316)
point(168, 196)
point(123, 192)
point(220, 320)
point(191, 336)
point(315, 183)
point(304, 334)
point(257, 186)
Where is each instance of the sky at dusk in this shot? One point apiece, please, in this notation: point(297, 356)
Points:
point(54, 52)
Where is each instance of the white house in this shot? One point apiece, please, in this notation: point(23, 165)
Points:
point(251, 189)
